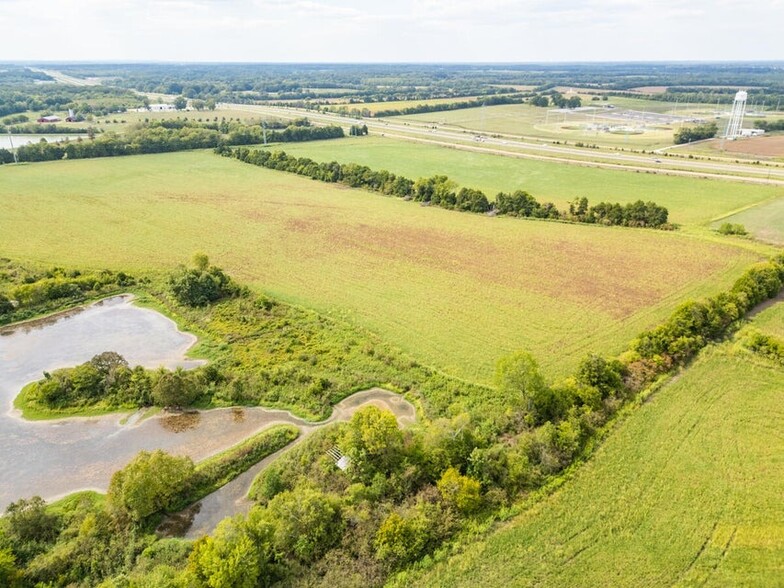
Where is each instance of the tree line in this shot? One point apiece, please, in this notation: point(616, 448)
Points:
point(770, 125)
point(29, 293)
point(695, 133)
point(425, 108)
point(167, 136)
point(441, 191)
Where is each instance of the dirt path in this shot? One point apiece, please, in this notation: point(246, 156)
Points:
point(231, 499)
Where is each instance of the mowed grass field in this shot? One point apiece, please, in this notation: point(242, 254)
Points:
point(765, 222)
point(533, 121)
point(689, 200)
point(685, 492)
point(456, 291)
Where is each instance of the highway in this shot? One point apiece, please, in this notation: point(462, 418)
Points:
point(768, 173)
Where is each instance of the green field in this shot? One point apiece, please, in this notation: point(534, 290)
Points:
point(689, 200)
point(764, 222)
point(685, 492)
point(455, 290)
point(771, 320)
point(531, 121)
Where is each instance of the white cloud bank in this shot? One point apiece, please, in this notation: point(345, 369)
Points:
point(401, 30)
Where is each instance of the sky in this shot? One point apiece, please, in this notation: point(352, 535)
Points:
point(391, 30)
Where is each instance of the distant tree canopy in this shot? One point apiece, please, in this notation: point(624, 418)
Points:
point(441, 191)
point(696, 133)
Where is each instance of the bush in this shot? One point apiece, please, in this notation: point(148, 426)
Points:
point(732, 229)
point(201, 285)
point(149, 485)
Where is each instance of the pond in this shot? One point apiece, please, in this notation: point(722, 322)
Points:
point(54, 458)
point(6, 141)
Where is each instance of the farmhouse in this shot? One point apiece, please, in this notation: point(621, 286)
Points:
point(49, 119)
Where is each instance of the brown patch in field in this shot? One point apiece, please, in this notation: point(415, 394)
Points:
point(649, 89)
point(619, 279)
point(764, 146)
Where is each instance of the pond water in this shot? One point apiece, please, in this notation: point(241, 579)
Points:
point(51, 458)
point(18, 140)
point(54, 458)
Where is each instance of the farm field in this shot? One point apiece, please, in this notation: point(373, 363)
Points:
point(766, 147)
point(685, 492)
point(108, 123)
point(454, 290)
point(374, 107)
point(771, 320)
point(690, 201)
point(765, 222)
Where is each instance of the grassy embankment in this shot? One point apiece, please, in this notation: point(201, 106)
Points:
point(453, 290)
point(684, 492)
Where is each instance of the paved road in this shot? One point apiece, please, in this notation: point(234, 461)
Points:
point(769, 173)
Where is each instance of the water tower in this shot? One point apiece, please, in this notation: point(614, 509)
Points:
point(736, 117)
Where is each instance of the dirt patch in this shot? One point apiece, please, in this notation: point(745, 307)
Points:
point(764, 146)
point(179, 423)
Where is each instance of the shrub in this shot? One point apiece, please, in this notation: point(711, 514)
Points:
point(732, 229)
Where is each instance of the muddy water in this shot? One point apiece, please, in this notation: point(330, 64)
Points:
point(54, 458)
point(51, 458)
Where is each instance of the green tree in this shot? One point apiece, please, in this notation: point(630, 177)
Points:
point(373, 441)
point(180, 103)
point(460, 492)
point(149, 484)
point(10, 576)
point(306, 522)
point(174, 389)
point(228, 558)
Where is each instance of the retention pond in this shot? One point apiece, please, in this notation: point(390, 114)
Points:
point(54, 458)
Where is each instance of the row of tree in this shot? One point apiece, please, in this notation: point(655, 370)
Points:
point(696, 133)
point(445, 106)
point(770, 125)
point(441, 191)
point(167, 136)
point(35, 293)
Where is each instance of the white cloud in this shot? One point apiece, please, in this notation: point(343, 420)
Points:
point(406, 30)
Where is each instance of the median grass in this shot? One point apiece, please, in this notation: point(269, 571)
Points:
point(684, 492)
point(689, 200)
point(455, 291)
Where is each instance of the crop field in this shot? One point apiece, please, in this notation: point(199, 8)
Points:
point(686, 492)
point(764, 147)
point(456, 291)
point(771, 320)
point(765, 222)
point(532, 121)
point(689, 200)
point(126, 119)
point(373, 107)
